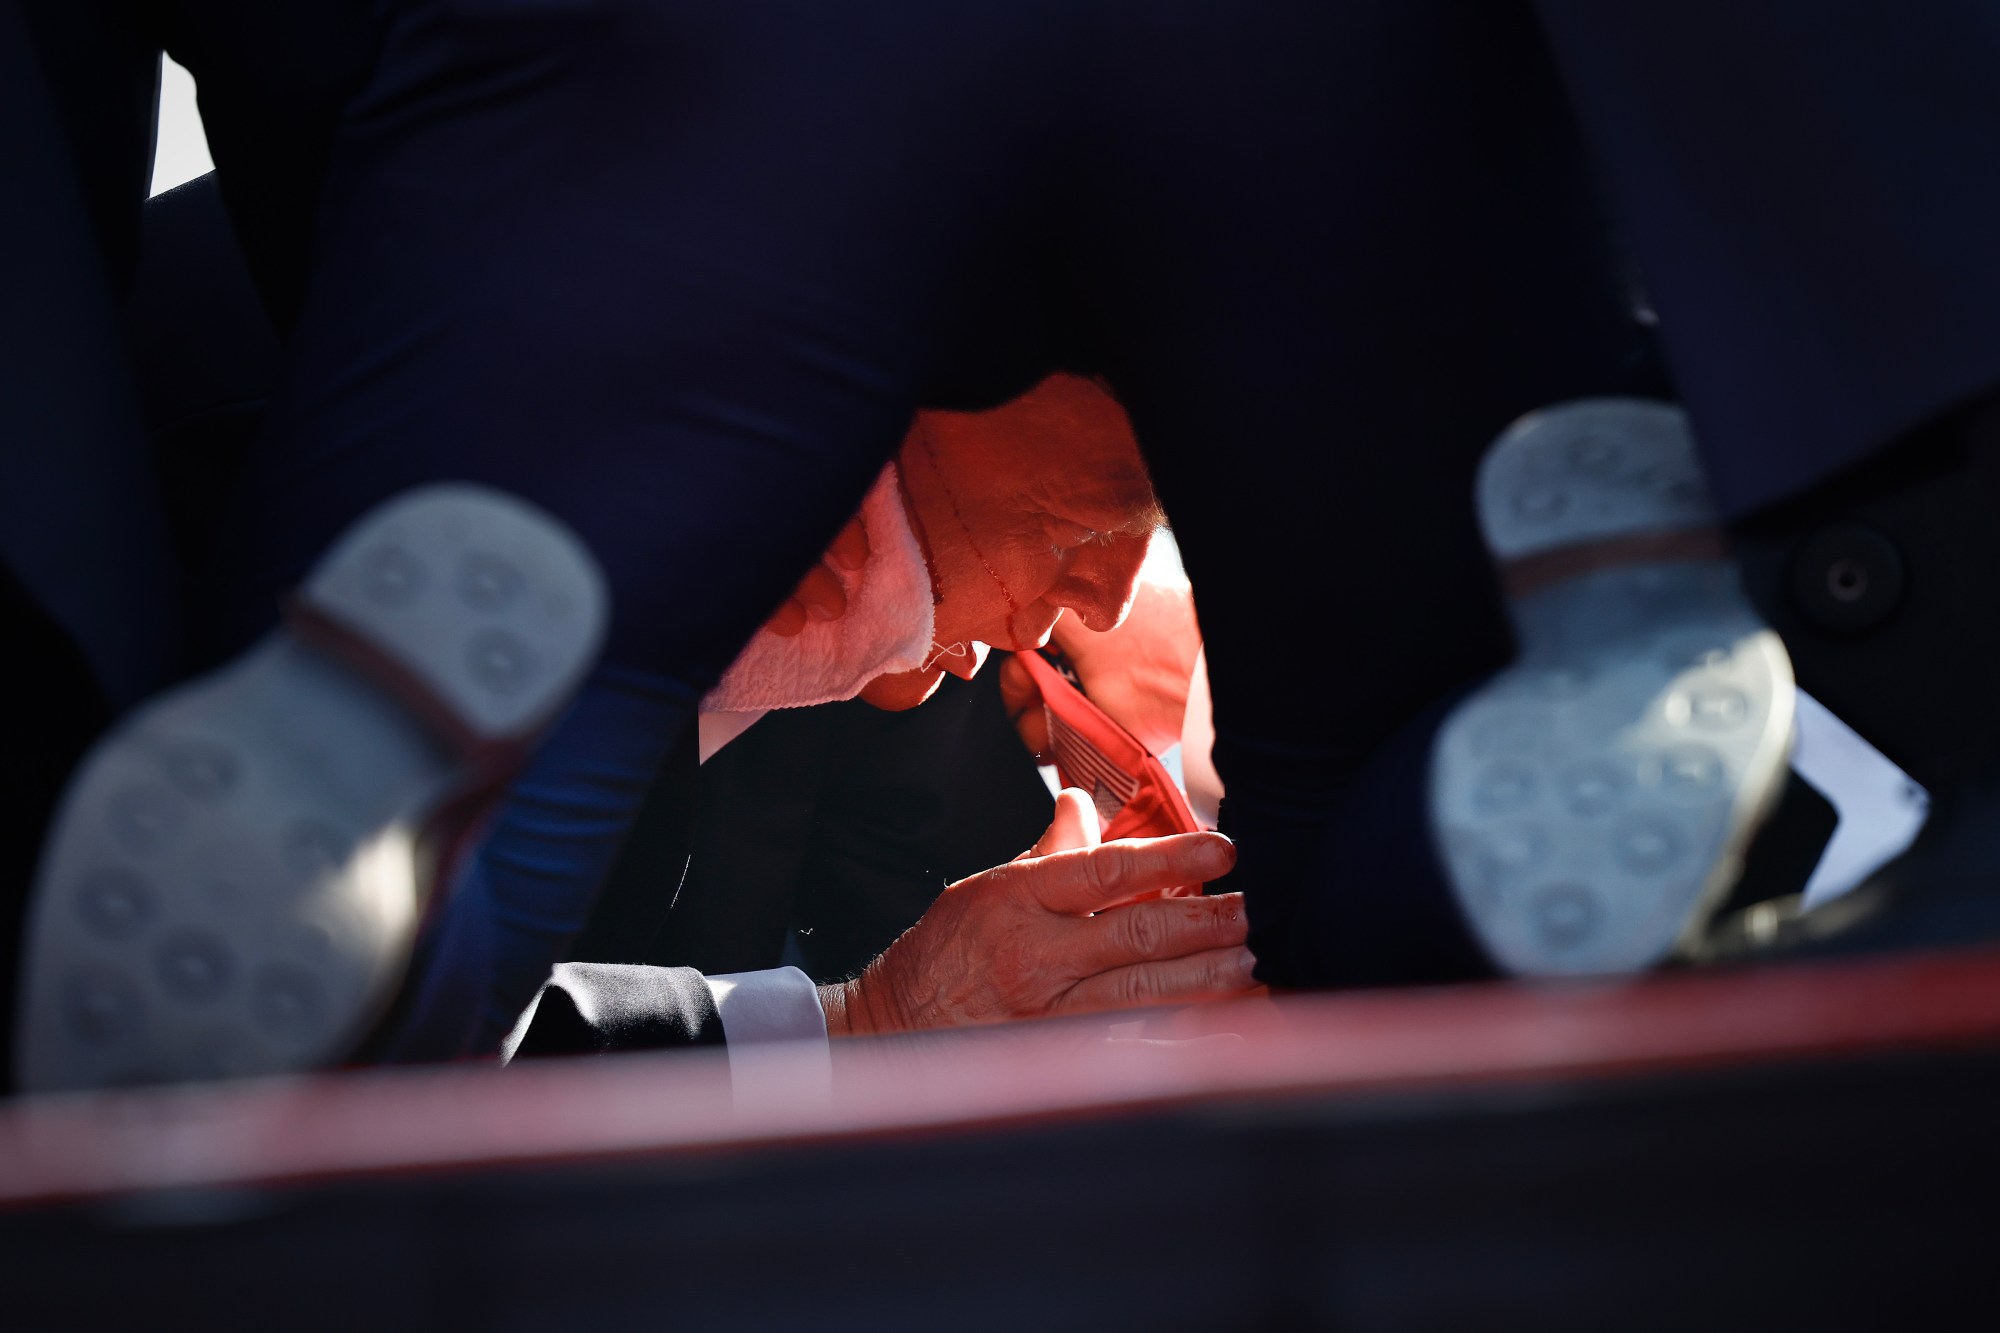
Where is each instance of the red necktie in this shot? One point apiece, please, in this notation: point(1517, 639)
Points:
point(1134, 794)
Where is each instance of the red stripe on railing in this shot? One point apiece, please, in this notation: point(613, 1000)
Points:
point(361, 1124)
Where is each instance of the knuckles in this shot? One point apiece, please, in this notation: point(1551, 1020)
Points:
point(1145, 935)
point(1109, 867)
point(1141, 986)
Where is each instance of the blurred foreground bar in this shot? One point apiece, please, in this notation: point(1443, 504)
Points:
point(1802, 1147)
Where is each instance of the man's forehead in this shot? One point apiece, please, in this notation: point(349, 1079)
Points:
point(1113, 498)
point(1065, 446)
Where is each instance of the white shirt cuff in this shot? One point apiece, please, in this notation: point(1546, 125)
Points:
point(776, 1033)
point(779, 1005)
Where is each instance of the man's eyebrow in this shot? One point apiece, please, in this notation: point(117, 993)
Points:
point(1147, 519)
point(1105, 502)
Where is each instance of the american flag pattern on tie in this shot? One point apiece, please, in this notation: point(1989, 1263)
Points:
point(1081, 764)
point(1135, 797)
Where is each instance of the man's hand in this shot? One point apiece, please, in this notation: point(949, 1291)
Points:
point(820, 595)
point(1020, 940)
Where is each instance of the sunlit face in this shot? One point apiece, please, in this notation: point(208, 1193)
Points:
point(1026, 511)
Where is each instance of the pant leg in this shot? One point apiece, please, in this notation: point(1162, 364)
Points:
point(531, 885)
point(82, 530)
point(1812, 190)
point(273, 81)
point(673, 271)
point(1340, 247)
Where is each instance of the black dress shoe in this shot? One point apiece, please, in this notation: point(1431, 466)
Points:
point(232, 883)
point(1593, 803)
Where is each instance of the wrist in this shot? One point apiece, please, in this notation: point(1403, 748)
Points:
point(860, 1006)
point(836, 1001)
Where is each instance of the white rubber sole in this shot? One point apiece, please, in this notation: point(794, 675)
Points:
point(1593, 802)
point(231, 887)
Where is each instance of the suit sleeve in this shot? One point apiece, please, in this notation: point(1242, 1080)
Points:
point(593, 1008)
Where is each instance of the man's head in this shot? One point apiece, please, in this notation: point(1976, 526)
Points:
point(1031, 509)
point(1014, 516)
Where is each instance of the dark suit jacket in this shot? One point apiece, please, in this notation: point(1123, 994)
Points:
point(827, 832)
point(815, 838)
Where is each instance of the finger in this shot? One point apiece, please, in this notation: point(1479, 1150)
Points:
point(821, 594)
point(1090, 879)
point(1073, 826)
point(850, 545)
point(1214, 975)
point(1022, 699)
point(787, 620)
point(1032, 726)
point(1156, 931)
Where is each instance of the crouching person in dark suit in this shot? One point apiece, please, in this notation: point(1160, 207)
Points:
point(986, 529)
point(825, 833)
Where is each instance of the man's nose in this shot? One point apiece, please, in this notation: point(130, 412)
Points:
point(1097, 587)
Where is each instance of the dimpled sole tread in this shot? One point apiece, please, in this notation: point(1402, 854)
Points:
point(230, 887)
point(488, 605)
point(1592, 803)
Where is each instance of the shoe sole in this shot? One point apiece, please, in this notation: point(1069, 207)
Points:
point(1593, 802)
point(231, 885)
